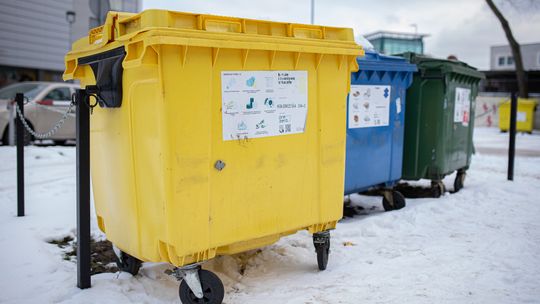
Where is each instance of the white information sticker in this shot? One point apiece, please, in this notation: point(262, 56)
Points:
point(263, 103)
point(462, 106)
point(521, 116)
point(369, 106)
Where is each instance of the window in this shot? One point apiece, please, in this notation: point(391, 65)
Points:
point(398, 46)
point(510, 60)
point(59, 94)
point(500, 61)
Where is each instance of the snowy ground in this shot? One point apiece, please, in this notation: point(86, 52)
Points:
point(492, 141)
point(480, 245)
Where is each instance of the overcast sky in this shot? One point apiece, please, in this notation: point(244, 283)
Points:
point(465, 28)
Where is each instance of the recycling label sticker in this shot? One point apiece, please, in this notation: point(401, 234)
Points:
point(263, 103)
point(462, 106)
point(369, 106)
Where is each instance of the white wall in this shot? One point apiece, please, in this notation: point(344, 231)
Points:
point(34, 33)
point(487, 111)
point(530, 54)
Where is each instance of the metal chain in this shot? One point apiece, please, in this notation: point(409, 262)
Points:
point(49, 133)
point(52, 109)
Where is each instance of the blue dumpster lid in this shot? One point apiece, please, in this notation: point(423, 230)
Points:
point(378, 62)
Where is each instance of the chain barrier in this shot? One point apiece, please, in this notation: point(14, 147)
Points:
point(52, 109)
point(52, 131)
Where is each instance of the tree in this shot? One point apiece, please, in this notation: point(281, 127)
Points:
point(516, 51)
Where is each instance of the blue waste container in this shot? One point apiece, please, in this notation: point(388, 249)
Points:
point(375, 126)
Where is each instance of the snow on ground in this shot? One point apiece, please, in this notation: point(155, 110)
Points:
point(480, 245)
point(492, 141)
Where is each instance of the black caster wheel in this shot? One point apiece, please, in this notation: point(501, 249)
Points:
point(212, 287)
point(396, 202)
point(459, 182)
point(127, 263)
point(321, 241)
point(437, 189)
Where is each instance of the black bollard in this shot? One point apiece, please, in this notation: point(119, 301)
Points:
point(512, 141)
point(19, 99)
point(83, 190)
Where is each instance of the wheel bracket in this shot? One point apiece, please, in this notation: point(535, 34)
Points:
point(117, 252)
point(190, 274)
point(389, 196)
point(321, 238)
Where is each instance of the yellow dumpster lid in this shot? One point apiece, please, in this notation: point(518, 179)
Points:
point(170, 27)
point(522, 102)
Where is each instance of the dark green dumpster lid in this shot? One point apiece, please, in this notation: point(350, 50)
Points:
point(446, 66)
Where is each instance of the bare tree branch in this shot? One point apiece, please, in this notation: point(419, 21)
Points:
point(516, 51)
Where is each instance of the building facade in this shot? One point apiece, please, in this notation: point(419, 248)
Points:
point(501, 58)
point(506, 81)
point(501, 78)
point(36, 34)
point(396, 43)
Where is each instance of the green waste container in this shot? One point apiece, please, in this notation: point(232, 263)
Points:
point(439, 121)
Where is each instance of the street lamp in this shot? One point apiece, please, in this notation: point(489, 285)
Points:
point(70, 18)
point(415, 28)
point(312, 11)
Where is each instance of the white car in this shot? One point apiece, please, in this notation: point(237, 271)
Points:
point(47, 101)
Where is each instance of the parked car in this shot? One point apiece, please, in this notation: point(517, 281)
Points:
point(47, 101)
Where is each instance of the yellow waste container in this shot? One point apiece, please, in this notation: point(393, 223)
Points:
point(214, 135)
point(524, 116)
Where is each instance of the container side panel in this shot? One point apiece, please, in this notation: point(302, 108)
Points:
point(262, 189)
point(144, 104)
point(412, 127)
point(107, 126)
point(369, 149)
point(332, 88)
point(423, 129)
point(398, 109)
point(457, 139)
point(187, 91)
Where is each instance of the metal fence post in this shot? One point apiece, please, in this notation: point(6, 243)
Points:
point(19, 99)
point(512, 141)
point(83, 190)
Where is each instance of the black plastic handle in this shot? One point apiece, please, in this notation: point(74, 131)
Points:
point(108, 71)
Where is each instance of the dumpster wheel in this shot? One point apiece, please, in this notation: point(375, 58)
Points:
point(321, 241)
point(437, 189)
point(126, 262)
point(459, 182)
point(393, 200)
point(211, 288)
